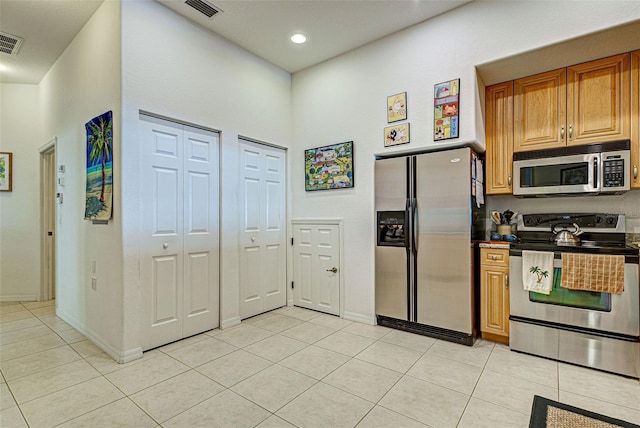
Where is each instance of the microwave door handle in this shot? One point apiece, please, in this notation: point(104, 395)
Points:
point(596, 186)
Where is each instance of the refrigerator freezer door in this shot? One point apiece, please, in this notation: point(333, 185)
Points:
point(391, 262)
point(444, 255)
point(391, 184)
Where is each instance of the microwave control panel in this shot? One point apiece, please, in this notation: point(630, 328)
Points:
point(613, 174)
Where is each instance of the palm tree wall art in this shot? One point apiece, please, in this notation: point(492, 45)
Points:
point(99, 196)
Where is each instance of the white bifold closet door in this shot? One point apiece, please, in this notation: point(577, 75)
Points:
point(262, 229)
point(179, 231)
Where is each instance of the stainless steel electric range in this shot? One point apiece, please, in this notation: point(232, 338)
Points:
point(593, 329)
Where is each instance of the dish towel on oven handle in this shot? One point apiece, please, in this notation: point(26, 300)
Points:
point(537, 271)
point(601, 273)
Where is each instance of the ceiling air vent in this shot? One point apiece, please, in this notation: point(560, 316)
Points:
point(9, 44)
point(203, 7)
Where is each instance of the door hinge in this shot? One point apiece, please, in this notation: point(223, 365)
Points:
point(291, 241)
point(292, 285)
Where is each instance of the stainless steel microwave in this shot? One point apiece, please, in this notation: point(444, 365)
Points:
point(573, 171)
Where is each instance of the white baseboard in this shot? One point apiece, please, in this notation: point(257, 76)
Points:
point(365, 319)
point(19, 298)
point(229, 322)
point(130, 355)
point(121, 357)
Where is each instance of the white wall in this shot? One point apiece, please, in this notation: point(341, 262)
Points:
point(174, 68)
point(20, 209)
point(345, 98)
point(84, 83)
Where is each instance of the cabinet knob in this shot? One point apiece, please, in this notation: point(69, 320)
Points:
point(253, 239)
point(562, 132)
point(570, 131)
point(506, 281)
point(509, 179)
point(165, 245)
point(333, 269)
point(494, 257)
point(635, 173)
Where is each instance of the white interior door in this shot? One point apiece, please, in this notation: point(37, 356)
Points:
point(178, 231)
point(201, 231)
point(262, 231)
point(48, 201)
point(316, 267)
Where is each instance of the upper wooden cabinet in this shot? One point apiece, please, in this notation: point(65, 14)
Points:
point(540, 108)
point(598, 100)
point(581, 104)
point(499, 138)
point(635, 119)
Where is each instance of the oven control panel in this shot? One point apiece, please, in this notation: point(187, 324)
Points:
point(613, 174)
point(598, 221)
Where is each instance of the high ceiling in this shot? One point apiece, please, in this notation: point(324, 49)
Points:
point(263, 27)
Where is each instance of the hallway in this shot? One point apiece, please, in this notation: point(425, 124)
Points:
point(288, 367)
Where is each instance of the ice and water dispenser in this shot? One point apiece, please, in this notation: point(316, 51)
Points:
point(391, 229)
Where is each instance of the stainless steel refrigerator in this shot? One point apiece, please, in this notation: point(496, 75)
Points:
point(426, 218)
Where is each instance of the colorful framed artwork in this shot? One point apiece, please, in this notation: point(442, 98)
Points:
point(397, 107)
point(6, 171)
point(446, 103)
point(99, 174)
point(396, 134)
point(329, 167)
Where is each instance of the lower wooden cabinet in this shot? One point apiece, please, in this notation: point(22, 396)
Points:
point(494, 294)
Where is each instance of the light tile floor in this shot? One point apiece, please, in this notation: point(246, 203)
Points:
point(289, 367)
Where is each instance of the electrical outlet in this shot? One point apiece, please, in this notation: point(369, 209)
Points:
point(94, 283)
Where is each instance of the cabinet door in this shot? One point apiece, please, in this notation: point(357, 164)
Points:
point(499, 138)
point(598, 100)
point(635, 119)
point(540, 111)
point(495, 300)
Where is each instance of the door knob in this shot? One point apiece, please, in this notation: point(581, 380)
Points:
point(333, 269)
point(165, 245)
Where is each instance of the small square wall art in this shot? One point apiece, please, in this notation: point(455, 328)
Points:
point(396, 134)
point(397, 107)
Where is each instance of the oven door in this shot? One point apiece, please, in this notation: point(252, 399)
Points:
point(603, 312)
point(557, 175)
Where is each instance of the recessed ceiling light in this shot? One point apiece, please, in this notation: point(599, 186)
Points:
point(298, 38)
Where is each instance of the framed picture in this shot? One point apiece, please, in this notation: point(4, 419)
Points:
point(99, 172)
point(397, 107)
point(329, 167)
point(6, 170)
point(396, 134)
point(446, 99)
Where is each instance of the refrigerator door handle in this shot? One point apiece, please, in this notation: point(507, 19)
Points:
point(414, 224)
point(408, 226)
